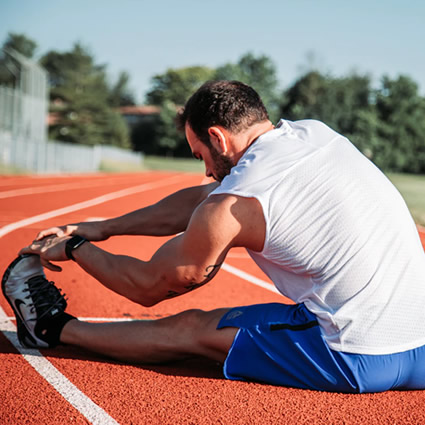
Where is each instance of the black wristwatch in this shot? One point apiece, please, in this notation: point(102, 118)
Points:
point(72, 244)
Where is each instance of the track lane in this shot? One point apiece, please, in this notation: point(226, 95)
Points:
point(9, 246)
point(25, 396)
point(82, 286)
point(192, 392)
point(57, 380)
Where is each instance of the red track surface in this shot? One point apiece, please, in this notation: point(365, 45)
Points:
point(192, 392)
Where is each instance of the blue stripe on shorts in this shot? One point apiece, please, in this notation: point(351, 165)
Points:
point(283, 345)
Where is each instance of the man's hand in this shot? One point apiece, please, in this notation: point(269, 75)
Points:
point(92, 231)
point(51, 248)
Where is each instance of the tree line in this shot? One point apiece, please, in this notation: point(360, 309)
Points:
point(387, 123)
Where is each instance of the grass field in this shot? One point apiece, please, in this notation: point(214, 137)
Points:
point(150, 163)
point(412, 188)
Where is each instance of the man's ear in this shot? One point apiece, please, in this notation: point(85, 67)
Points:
point(219, 138)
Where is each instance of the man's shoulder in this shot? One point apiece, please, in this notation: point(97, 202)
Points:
point(222, 200)
point(239, 216)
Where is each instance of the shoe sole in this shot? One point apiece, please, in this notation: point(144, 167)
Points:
point(19, 323)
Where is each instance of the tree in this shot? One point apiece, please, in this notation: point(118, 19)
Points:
point(169, 91)
point(21, 43)
point(177, 85)
point(170, 140)
point(120, 94)
point(157, 134)
point(9, 69)
point(173, 89)
point(345, 104)
point(386, 124)
point(305, 99)
point(332, 100)
point(401, 110)
point(80, 100)
point(259, 73)
point(73, 72)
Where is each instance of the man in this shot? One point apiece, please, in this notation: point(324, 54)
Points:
point(322, 221)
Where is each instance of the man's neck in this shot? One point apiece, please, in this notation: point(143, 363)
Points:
point(243, 140)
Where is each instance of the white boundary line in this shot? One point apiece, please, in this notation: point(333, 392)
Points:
point(250, 278)
point(90, 410)
point(56, 187)
point(90, 319)
point(60, 383)
point(86, 204)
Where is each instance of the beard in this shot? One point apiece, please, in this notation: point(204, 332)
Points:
point(222, 165)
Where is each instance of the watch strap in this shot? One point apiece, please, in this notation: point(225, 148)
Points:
point(72, 244)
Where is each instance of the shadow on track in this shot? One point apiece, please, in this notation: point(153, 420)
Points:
point(196, 367)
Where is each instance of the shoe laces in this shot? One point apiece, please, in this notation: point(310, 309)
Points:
point(44, 295)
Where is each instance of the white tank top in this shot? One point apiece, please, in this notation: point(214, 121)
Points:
point(339, 237)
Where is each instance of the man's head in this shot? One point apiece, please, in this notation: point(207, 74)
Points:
point(218, 114)
point(228, 104)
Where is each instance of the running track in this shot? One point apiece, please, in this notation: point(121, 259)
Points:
point(66, 385)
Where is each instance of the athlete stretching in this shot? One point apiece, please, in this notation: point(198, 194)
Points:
point(320, 219)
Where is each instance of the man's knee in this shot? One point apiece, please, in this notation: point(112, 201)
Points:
point(190, 319)
point(210, 341)
point(195, 332)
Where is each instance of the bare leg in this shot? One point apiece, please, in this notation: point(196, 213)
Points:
point(192, 332)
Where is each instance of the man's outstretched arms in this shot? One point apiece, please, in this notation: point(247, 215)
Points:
point(183, 264)
point(169, 216)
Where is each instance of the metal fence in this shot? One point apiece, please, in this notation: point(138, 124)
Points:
point(23, 128)
point(60, 157)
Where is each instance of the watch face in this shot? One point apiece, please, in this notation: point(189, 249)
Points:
point(72, 244)
point(76, 241)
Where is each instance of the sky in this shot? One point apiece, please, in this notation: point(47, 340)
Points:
point(145, 38)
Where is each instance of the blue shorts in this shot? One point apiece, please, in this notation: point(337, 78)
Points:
point(283, 345)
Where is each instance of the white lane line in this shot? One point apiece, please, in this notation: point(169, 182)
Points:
point(94, 319)
point(69, 391)
point(250, 278)
point(90, 410)
point(243, 255)
point(86, 204)
point(55, 188)
point(81, 183)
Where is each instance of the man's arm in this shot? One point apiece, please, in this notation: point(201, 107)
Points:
point(183, 264)
point(167, 217)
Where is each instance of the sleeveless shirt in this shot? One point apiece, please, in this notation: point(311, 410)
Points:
point(339, 237)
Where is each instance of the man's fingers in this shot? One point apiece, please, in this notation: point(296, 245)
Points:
point(44, 263)
point(26, 250)
point(50, 265)
point(57, 231)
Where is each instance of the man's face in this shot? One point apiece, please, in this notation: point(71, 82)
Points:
point(223, 164)
point(217, 165)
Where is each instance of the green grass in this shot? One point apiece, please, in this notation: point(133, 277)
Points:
point(155, 163)
point(174, 164)
point(412, 188)
point(110, 166)
point(10, 169)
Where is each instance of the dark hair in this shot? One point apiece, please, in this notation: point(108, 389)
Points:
point(229, 104)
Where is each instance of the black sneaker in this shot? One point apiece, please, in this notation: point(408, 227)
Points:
point(38, 305)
